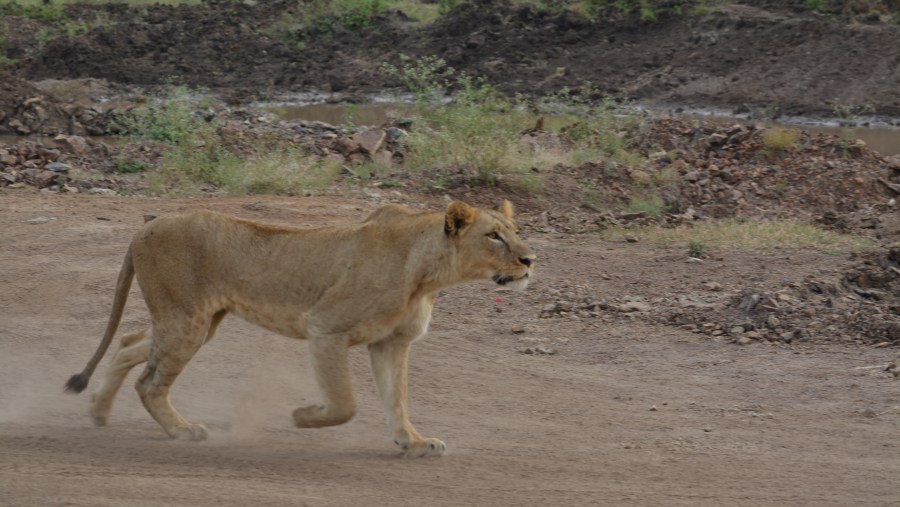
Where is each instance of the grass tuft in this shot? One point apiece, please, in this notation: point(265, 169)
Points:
point(757, 235)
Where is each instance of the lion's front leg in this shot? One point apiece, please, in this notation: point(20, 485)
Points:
point(332, 367)
point(389, 363)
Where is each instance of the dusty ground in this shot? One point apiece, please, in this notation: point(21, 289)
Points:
point(655, 407)
point(625, 413)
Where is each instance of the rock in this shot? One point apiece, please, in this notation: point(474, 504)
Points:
point(716, 140)
point(539, 350)
point(102, 191)
point(8, 159)
point(737, 330)
point(692, 176)
point(743, 340)
point(57, 167)
point(772, 321)
point(631, 239)
point(517, 329)
point(713, 286)
point(45, 179)
point(40, 220)
point(76, 145)
point(653, 408)
point(634, 306)
point(394, 134)
point(369, 141)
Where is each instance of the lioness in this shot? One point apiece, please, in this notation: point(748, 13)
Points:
point(371, 283)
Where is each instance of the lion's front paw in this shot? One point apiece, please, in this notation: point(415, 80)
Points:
point(425, 448)
point(192, 433)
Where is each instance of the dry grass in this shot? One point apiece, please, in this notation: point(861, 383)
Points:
point(777, 141)
point(757, 235)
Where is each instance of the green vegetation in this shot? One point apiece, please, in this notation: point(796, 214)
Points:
point(758, 235)
point(478, 132)
point(777, 141)
point(697, 249)
point(33, 9)
point(650, 203)
point(5, 61)
point(198, 155)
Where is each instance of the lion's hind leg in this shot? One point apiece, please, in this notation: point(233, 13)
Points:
point(134, 349)
point(175, 341)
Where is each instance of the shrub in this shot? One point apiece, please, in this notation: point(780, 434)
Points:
point(777, 141)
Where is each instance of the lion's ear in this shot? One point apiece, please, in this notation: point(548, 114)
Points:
point(506, 209)
point(459, 216)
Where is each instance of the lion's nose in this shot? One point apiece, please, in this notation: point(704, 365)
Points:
point(526, 260)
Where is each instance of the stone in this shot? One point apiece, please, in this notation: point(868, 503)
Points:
point(713, 286)
point(631, 239)
point(76, 145)
point(517, 329)
point(45, 179)
point(57, 167)
point(102, 191)
point(634, 306)
point(369, 141)
point(743, 340)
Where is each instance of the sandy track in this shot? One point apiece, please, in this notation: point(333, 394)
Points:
point(733, 425)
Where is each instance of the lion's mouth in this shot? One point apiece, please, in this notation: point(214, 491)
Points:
point(505, 279)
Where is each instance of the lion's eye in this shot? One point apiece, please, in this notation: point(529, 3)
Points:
point(495, 236)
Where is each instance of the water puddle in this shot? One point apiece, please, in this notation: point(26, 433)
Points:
point(341, 114)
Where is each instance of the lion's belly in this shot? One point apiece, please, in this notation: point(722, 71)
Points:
point(274, 320)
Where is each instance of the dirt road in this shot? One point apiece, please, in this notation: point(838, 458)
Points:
point(624, 413)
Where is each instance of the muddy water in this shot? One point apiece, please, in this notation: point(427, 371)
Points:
point(885, 140)
point(342, 114)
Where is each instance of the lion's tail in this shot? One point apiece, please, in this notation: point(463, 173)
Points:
point(79, 381)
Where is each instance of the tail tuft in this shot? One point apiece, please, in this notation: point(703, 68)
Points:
point(77, 383)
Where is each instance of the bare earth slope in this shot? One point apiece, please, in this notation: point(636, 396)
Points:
point(623, 414)
point(745, 55)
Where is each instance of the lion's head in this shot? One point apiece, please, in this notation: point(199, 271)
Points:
point(489, 243)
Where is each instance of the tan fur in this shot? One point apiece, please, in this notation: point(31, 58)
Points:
point(371, 283)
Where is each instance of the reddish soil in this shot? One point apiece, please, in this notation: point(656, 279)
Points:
point(625, 412)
